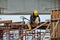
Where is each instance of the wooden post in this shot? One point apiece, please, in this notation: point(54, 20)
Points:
point(55, 14)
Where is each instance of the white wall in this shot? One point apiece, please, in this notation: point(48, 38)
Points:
point(17, 18)
point(29, 5)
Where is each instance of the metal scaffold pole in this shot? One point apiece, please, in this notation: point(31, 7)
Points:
point(32, 30)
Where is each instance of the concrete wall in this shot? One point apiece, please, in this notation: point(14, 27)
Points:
point(3, 3)
point(59, 3)
point(27, 6)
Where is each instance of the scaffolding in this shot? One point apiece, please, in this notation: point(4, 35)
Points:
point(54, 28)
point(34, 34)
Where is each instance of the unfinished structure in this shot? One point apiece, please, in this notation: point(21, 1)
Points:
point(55, 24)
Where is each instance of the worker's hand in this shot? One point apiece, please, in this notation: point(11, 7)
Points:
point(29, 26)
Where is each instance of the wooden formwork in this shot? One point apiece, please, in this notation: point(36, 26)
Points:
point(55, 14)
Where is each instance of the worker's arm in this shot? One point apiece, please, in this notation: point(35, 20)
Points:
point(31, 20)
point(37, 20)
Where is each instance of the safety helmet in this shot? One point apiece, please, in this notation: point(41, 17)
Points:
point(35, 12)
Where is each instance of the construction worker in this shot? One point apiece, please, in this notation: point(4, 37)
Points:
point(35, 17)
point(34, 20)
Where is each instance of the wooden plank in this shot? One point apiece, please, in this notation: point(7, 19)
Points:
point(58, 30)
point(6, 21)
point(59, 13)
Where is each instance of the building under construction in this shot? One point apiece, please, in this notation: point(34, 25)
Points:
point(16, 20)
